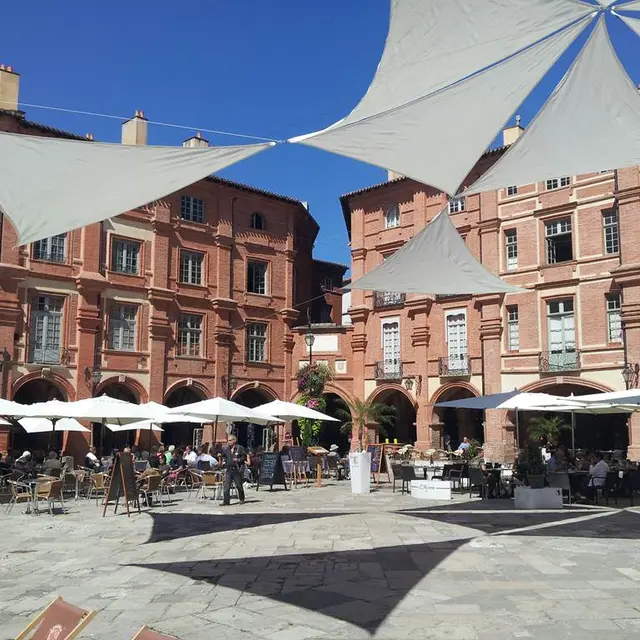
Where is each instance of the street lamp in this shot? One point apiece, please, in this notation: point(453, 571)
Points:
point(630, 373)
point(93, 375)
point(229, 385)
point(309, 339)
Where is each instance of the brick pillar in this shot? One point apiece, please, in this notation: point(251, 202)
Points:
point(419, 309)
point(499, 441)
point(160, 336)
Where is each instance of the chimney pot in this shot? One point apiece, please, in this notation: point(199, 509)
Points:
point(196, 141)
point(10, 69)
point(9, 88)
point(134, 131)
point(511, 134)
point(2, 67)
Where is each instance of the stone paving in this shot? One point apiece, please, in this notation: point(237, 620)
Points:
point(321, 563)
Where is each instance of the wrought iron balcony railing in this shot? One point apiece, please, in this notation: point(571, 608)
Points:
point(565, 360)
point(454, 366)
point(45, 354)
point(382, 299)
point(389, 370)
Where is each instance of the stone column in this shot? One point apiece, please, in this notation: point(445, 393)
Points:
point(358, 349)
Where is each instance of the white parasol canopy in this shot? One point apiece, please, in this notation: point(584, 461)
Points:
point(92, 409)
point(291, 411)
point(10, 408)
point(44, 425)
point(222, 410)
point(133, 426)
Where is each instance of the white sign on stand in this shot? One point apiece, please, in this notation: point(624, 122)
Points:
point(360, 471)
point(431, 489)
point(547, 498)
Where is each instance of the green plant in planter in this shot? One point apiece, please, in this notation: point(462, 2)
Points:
point(547, 429)
point(535, 463)
point(360, 413)
point(474, 445)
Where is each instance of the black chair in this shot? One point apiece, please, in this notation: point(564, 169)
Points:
point(478, 479)
point(445, 473)
point(203, 465)
point(396, 470)
point(407, 473)
point(456, 474)
point(333, 467)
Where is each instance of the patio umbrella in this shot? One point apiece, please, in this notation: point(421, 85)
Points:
point(291, 411)
point(44, 425)
point(220, 409)
point(10, 408)
point(514, 401)
point(132, 426)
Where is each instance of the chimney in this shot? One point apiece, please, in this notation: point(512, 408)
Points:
point(196, 141)
point(9, 87)
point(392, 175)
point(511, 134)
point(134, 131)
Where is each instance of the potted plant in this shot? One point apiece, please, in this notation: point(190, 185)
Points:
point(535, 467)
point(547, 430)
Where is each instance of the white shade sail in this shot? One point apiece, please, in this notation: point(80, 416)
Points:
point(435, 261)
point(629, 6)
point(292, 411)
point(430, 47)
point(51, 186)
point(93, 409)
point(43, 425)
point(591, 122)
point(222, 410)
point(632, 23)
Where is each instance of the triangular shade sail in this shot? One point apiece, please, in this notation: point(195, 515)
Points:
point(435, 261)
point(632, 23)
point(291, 411)
point(43, 425)
point(591, 122)
point(432, 46)
point(629, 6)
point(51, 186)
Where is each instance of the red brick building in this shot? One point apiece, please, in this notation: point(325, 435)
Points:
point(571, 240)
point(195, 296)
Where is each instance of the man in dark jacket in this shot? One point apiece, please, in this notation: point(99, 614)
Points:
point(235, 460)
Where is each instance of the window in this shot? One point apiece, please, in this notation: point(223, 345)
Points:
point(122, 327)
point(192, 209)
point(511, 243)
point(126, 256)
point(614, 318)
point(559, 243)
point(191, 267)
point(46, 330)
point(257, 221)
point(326, 284)
point(257, 277)
point(257, 342)
point(513, 323)
point(189, 334)
point(512, 191)
point(457, 204)
point(51, 249)
point(391, 362)
point(392, 217)
point(556, 183)
point(611, 235)
point(562, 335)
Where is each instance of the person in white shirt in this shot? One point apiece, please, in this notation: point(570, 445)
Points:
point(190, 456)
point(203, 456)
point(597, 474)
point(91, 459)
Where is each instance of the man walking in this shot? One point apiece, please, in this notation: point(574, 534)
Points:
point(235, 459)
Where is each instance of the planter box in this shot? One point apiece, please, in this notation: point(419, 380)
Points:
point(431, 489)
point(528, 498)
point(360, 472)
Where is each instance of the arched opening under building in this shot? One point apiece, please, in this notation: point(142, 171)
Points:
point(181, 434)
point(39, 390)
point(252, 435)
point(458, 423)
point(331, 432)
point(104, 439)
point(402, 429)
point(603, 432)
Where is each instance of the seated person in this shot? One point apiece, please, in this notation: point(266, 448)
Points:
point(51, 463)
point(204, 457)
point(91, 460)
point(169, 453)
point(597, 474)
point(479, 462)
point(190, 456)
point(24, 463)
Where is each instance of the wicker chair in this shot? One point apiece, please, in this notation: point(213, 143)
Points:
point(19, 493)
point(212, 480)
point(194, 481)
point(151, 487)
point(50, 492)
point(98, 487)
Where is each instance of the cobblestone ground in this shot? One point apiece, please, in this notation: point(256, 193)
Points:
point(321, 563)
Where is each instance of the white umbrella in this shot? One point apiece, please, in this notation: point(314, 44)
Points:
point(44, 425)
point(10, 408)
point(515, 401)
point(4, 423)
point(222, 410)
point(132, 426)
point(92, 409)
point(291, 411)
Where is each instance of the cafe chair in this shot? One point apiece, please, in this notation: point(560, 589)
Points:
point(50, 492)
point(193, 480)
point(407, 473)
point(396, 472)
point(212, 480)
point(19, 493)
point(560, 480)
point(477, 480)
point(609, 488)
point(151, 487)
point(98, 487)
point(334, 468)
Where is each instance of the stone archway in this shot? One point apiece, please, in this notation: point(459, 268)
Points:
point(180, 434)
point(599, 432)
point(449, 426)
point(404, 429)
point(29, 392)
point(254, 435)
point(104, 439)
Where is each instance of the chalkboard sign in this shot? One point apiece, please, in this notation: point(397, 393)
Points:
point(122, 483)
point(376, 451)
point(298, 454)
point(271, 471)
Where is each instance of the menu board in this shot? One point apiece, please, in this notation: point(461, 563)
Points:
point(122, 483)
point(271, 471)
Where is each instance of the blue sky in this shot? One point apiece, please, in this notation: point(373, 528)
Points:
point(273, 68)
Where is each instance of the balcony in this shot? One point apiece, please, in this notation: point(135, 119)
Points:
point(454, 366)
point(557, 361)
point(43, 354)
point(389, 370)
point(384, 299)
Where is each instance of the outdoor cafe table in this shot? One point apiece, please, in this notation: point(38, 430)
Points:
point(33, 486)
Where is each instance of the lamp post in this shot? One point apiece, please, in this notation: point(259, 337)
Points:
point(229, 385)
point(631, 373)
point(309, 339)
point(92, 376)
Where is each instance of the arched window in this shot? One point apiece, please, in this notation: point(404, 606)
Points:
point(392, 217)
point(257, 221)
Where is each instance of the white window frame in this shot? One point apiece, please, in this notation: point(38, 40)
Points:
point(257, 342)
point(186, 348)
point(392, 217)
point(194, 263)
point(457, 205)
point(252, 287)
point(192, 209)
point(123, 331)
point(614, 317)
point(557, 183)
point(48, 350)
point(44, 249)
point(511, 248)
point(257, 221)
point(326, 283)
point(611, 231)
point(512, 191)
point(513, 327)
point(128, 256)
point(557, 228)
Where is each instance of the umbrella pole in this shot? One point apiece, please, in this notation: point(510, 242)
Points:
point(150, 434)
point(102, 437)
point(573, 433)
point(517, 430)
point(53, 432)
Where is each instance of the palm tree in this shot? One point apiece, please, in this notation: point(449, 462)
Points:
point(359, 413)
point(547, 428)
